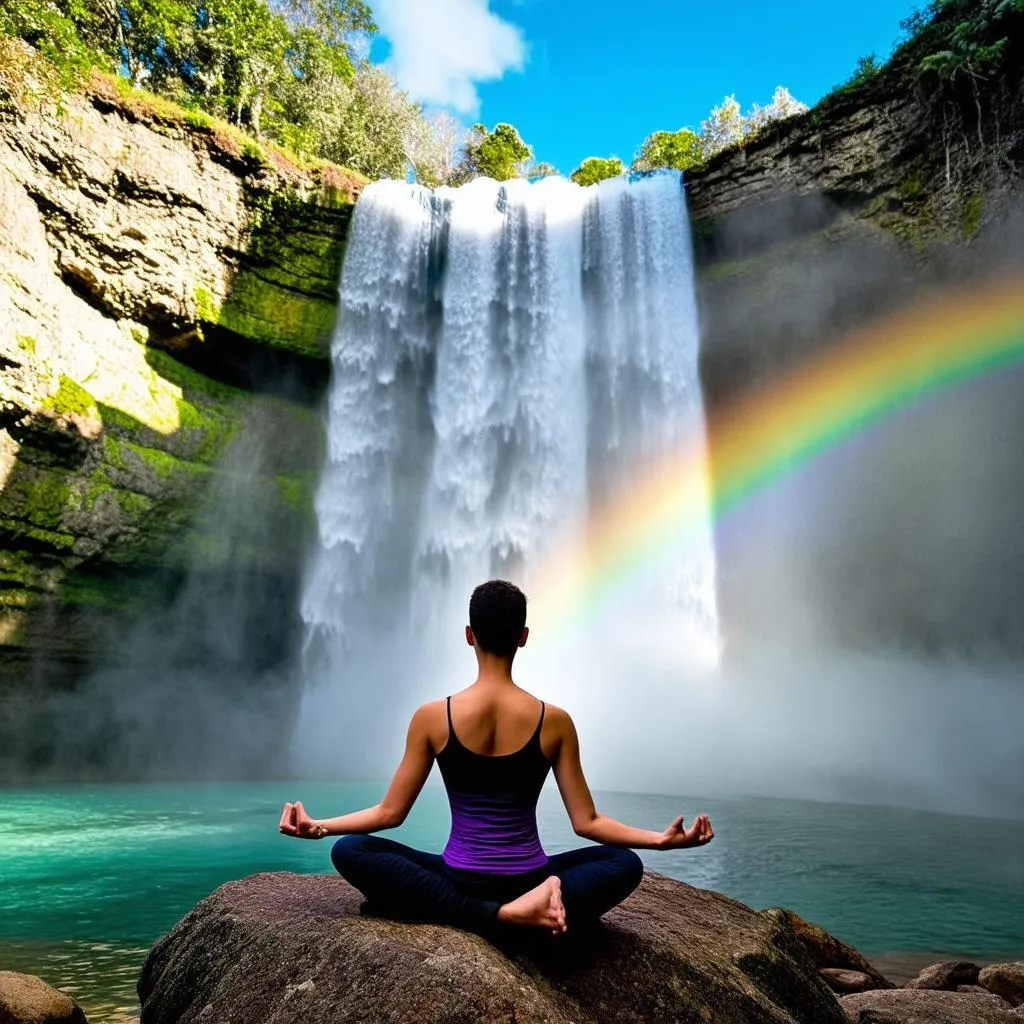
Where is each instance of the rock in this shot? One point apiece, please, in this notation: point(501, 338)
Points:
point(946, 976)
point(926, 1006)
point(847, 981)
point(825, 950)
point(295, 948)
point(1006, 980)
point(118, 462)
point(26, 999)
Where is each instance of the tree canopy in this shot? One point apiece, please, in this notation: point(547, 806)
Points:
point(679, 150)
point(500, 154)
point(595, 169)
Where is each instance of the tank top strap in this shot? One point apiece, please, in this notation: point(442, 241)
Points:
point(540, 724)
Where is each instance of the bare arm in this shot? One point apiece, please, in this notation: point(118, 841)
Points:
point(391, 811)
point(589, 824)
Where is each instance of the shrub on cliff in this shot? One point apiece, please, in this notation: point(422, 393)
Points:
point(594, 169)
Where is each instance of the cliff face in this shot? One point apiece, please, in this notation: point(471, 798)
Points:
point(837, 214)
point(903, 541)
point(166, 302)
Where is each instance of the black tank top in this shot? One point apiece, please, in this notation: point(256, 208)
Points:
point(493, 801)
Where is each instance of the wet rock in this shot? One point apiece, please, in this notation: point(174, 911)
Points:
point(847, 981)
point(946, 976)
point(295, 948)
point(926, 1006)
point(1006, 980)
point(26, 999)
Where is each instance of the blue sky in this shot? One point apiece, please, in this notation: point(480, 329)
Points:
point(581, 79)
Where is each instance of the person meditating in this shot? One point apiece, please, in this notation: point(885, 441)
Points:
point(494, 744)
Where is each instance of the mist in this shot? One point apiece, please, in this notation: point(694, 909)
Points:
point(198, 679)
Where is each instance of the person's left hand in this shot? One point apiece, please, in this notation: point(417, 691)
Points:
point(678, 837)
point(296, 822)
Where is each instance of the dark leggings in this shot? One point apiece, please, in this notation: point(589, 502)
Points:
point(408, 883)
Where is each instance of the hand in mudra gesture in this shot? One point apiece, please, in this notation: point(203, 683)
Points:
point(678, 837)
point(296, 822)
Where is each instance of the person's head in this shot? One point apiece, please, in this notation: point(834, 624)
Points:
point(497, 619)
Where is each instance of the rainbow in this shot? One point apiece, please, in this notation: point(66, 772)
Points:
point(892, 364)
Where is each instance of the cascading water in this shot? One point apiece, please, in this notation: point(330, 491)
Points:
point(508, 357)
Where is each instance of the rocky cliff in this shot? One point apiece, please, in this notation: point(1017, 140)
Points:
point(902, 180)
point(167, 293)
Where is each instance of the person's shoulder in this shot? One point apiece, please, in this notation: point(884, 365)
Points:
point(427, 714)
point(558, 717)
point(430, 724)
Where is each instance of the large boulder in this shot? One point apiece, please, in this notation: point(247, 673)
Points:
point(1006, 980)
point(26, 999)
point(926, 1006)
point(295, 948)
point(948, 975)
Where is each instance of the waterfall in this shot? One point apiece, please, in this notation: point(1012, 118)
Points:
point(508, 355)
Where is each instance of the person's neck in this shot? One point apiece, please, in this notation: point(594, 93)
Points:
point(493, 670)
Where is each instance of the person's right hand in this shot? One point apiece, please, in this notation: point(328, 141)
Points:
point(296, 822)
point(678, 837)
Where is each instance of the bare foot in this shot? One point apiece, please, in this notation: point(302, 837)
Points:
point(538, 908)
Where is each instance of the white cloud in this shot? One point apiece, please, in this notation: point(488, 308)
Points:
point(441, 49)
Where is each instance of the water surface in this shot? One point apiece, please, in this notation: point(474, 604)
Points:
point(91, 876)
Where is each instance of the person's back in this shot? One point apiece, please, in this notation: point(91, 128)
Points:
point(494, 744)
point(493, 779)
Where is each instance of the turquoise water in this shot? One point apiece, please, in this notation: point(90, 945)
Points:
point(91, 876)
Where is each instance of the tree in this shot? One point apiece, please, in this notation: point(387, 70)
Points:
point(679, 151)
point(500, 154)
point(540, 170)
point(723, 128)
point(782, 106)
point(595, 169)
point(378, 133)
point(433, 146)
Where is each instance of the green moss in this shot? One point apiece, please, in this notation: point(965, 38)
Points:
point(264, 312)
point(55, 539)
point(207, 308)
point(191, 382)
point(297, 494)
point(970, 215)
point(27, 344)
point(38, 497)
point(910, 187)
point(115, 418)
point(94, 591)
point(70, 399)
point(112, 450)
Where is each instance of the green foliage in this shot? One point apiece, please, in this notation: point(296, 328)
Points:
point(594, 169)
point(53, 31)
point(500, 154)
point(952, 36)
point(679, 151)
point(867, 68)
point(292, 72)
point(947, 38)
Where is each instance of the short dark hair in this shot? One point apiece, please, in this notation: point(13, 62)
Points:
point(497, 616)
